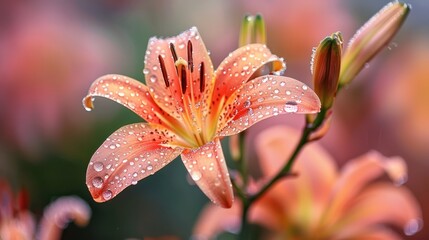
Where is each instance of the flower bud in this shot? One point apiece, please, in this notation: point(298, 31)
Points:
point(252, 30)
point(371, 38)
point(326, 64)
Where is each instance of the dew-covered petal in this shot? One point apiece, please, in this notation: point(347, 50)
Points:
point(264, 97)
point(130, 154)
point(126, 91)
point(240, 67)
point(208, 169)
point(381, 204)
point(214, 220)
point(359, 172)
point(170, 97)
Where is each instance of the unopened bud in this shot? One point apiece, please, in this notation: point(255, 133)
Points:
point(371, 38)
point(252, 30)
point(326, 64)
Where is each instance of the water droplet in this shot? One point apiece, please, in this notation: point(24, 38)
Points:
point(304, 87)
point(98, 166)
point(288, 92)
point(134, 182)
point(121, 94)
point(401, 180)
point(247, 104)
point(413, 226)
point(282, 84)
point(366, 65)
point(153, 78)
point(291, 107)
point(196, 175)
point(97, 182)
point(145, 71)
point(135, 174)
point(107, 195)
point(149, 167)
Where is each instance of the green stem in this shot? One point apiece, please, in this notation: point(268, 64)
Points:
point(285, 171)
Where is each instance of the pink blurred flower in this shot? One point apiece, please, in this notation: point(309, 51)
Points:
point(401, 96)
point(321, 202)
point(48, 55)
point(17, 223)
point(189, 107)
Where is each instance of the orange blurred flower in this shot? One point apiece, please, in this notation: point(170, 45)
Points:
point(189, 107)
point(17, 223)
point(321, 202)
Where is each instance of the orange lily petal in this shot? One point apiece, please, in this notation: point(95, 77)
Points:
point(239, 67)
point(208, 169)
point(214, 220)
point(130, 154)
point(357, 174)
point(170, 97)
point(309, 192)
point(378, 204)
point(264, 97)
point(273, 209)
point(126, 91)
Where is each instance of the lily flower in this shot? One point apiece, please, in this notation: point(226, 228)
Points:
point(323, 202)
point(188, 108)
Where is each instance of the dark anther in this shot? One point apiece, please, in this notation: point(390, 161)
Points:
point(164, 71)
point(183, 78)
point(190, 60)
point(202, 79)
point(173, 52)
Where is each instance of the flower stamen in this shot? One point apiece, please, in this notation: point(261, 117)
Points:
point(190, 60)
point(202, 79)
point(163, 70)
point(173, 52)
point(182, 76)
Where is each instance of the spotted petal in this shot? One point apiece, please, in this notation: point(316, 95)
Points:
point(265, 97)
point(208, 169)
point(130, 154)
point(126, 91)
point(241, 65)
point(170, 97)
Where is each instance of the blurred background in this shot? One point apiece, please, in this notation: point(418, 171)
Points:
point(51, 51)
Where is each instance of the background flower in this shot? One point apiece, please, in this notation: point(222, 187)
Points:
point(322, 202)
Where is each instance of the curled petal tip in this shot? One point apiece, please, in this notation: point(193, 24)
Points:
point(88, 103)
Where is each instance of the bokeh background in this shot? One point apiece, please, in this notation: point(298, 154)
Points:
point(51, 51)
